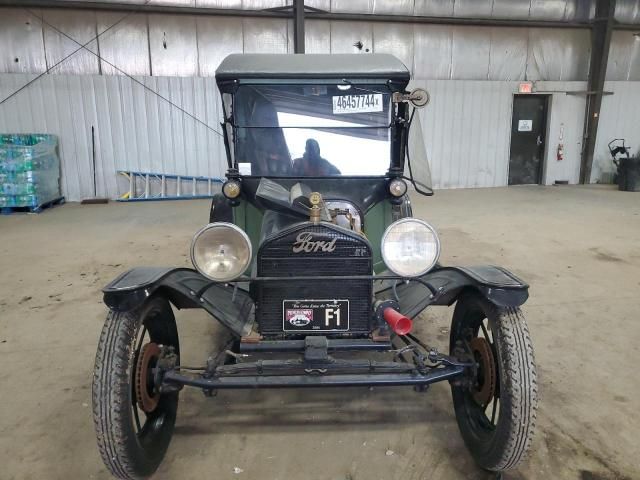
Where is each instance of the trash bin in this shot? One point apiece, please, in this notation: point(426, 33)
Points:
point(629, 174)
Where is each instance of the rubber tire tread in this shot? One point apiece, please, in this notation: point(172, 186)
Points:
point(518, 387)
point(111, 396)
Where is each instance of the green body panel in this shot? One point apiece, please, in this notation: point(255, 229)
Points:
point(249, 218)
point(376, 220)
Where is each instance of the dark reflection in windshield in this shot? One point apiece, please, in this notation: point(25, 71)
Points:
point(311, 164)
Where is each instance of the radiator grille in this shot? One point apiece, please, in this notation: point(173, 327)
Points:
point(351, 255)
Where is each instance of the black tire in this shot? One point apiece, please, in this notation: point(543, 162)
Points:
point(132, 444)
point(497, 441)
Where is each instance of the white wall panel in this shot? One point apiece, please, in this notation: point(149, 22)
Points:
point(619, 118)
point(548, 9)
point(624, 57)
point(80, 25)
point(508, 54)
point(565, 125)
point(321, 4)
point(173, 45)
point(467, 131)
point(434, 8)
point(126, 45)
point(352, 6)
point(473, 8)
point(556, 54)
point(21, 40)
point(261, 4)
point(219, 3)
point(217, 38)
point(466, 127)
point(397, 7)
point(265, 35)
point(134, 129)
point(345, 34)
point(433, 49)
point(628, 11)
point(470, 53)
point(394, 38)
point(317, 36)
point(511, 8)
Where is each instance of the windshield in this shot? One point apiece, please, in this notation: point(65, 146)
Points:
point(312, 130)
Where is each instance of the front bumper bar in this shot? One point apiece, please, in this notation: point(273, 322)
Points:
point(315, 380)
point(333, 345)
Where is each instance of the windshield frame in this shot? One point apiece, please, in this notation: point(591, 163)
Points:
point(396, 113)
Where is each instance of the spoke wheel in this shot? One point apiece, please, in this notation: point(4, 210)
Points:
point(496, 406)
point(134, 422)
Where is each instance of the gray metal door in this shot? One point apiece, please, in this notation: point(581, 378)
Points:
point(528, 130)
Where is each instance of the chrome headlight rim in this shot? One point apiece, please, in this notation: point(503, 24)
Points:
point(411, 220)
point(218, 225)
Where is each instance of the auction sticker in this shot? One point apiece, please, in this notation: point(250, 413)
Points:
point(370, 102)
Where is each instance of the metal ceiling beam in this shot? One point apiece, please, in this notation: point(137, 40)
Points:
point(298, 26)
point(600, 43)
point(310, 14)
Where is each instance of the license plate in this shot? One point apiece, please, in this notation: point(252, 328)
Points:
point(315, 315)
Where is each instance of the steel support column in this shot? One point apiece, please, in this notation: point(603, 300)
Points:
point(298, 26)
point(600, 42)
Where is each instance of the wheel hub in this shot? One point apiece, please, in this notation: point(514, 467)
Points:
point(146, 397)
point(484, 388)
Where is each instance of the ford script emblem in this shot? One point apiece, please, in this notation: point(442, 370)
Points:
point(305, 243)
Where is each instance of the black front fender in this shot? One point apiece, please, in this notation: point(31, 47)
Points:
point(185, 288)
point(497, 284)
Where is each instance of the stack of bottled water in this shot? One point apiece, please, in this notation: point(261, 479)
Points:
point(29, 170)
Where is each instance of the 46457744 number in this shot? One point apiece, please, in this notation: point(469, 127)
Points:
point(371, 102)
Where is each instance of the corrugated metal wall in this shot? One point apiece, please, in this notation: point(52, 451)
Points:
point(472, 73)
point(466, 128)
point(134, 129)
point(467, 131)
point(619, 118)
point(184, 45)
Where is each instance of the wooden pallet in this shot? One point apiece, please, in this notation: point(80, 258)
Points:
point(36, 209)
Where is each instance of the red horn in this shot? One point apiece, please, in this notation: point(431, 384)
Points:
point(398, 322)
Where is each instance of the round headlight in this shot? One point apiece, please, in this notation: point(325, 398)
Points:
point(410, 247)
point(221, 251)
point(397, 187)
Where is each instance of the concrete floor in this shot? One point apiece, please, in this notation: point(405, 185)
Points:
point(579, 247)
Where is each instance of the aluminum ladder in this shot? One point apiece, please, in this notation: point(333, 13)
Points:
point(145, 186)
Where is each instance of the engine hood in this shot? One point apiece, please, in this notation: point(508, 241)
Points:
point(275, 222)
point(363, 192)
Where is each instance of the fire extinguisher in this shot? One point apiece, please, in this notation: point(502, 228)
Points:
point(560, 149)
